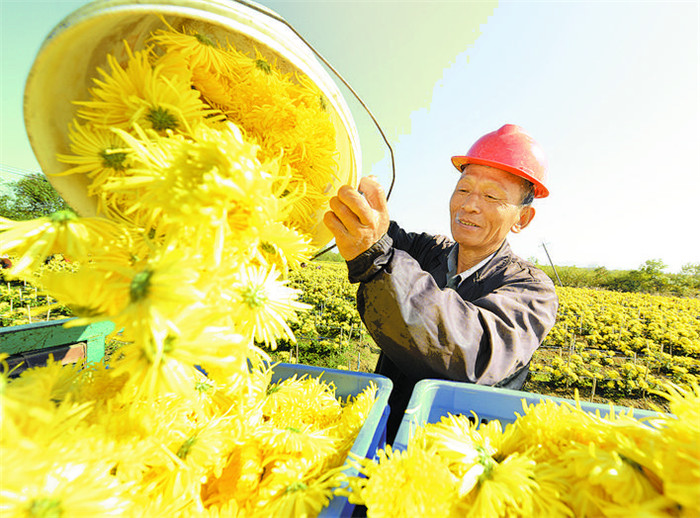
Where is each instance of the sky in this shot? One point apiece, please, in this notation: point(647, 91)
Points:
point(610, 90)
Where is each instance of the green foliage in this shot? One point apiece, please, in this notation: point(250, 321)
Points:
point(325, 332)
point(648, 278)
point(330, 257)
point(29, 198)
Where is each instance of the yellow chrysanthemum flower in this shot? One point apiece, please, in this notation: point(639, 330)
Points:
point(153, 373)
point(32, 404)
point(308, 441)
point(463, 449)
point(174, 64)
point(60, 233)
point(140, 93)
point(547, 429)
point(355, 411)
point(397, 485)
point(504, 489)
point(239, 479)
point(35, 483)
point(262, 304)
point(96, 151)
point(303, 499)
point(621, 478)
point(212, 181)
point(45, 384)
point(77, 291)
point(201, 51)
point(283, 247)
point(296, 402)
point(552, 494)
point(154, 290)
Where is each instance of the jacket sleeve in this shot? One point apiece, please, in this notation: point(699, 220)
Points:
point(430, 332)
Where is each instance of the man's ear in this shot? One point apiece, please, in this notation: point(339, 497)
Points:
point(527, 214)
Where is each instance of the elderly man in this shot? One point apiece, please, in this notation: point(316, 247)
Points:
point(465, 310)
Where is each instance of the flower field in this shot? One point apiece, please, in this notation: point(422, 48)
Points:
point(618, 345)
point(609, 346)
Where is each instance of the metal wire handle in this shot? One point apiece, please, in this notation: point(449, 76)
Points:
point(275, 16)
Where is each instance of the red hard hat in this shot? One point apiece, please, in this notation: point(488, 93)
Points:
point(511, 149)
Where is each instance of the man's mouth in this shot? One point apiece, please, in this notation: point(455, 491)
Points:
point(466, 223)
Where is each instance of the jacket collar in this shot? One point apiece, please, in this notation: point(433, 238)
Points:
point(498, 262)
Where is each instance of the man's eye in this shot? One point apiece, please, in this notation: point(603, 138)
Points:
point(491, 197)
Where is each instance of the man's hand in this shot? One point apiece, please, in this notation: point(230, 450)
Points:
point(358, 220)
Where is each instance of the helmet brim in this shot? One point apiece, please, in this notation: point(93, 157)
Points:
point(460, 161)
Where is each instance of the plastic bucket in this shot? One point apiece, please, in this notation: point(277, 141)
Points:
point(69, 57)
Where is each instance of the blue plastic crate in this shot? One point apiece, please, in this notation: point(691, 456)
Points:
point(372, 435)
point(433, 399)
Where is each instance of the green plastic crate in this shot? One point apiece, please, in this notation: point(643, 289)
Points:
point(31, 344)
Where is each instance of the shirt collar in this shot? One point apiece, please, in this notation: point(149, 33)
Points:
point(452, 265)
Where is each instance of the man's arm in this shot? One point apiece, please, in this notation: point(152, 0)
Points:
point(430, 332)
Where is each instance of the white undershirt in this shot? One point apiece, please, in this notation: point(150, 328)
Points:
point(452, 266)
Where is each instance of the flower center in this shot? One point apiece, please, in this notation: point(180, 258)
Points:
point(254, 296)
point(268, 248)
point(113, 159)
point(62, 216)
point(161, 119)
point(202, 386)
point(204, 40)
point(186, 446)
point(296, 486)
point(486, 461)
point(140, 285)
point(45, 508)
point(263, 65)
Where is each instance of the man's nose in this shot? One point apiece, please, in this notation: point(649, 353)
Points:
point(471, 202)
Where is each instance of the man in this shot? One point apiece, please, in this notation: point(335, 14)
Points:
point(465, 310)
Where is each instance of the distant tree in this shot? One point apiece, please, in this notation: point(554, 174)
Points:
point(691, 269)
point(653, 267)
point(648, 278)
point(31, 197)
point(690, 276)
point(654, 279)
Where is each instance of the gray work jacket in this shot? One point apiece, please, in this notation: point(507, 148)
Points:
point(483, 332)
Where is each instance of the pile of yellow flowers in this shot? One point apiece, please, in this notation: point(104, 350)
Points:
point(208, 166)
point(555, 460)
point(82, 443)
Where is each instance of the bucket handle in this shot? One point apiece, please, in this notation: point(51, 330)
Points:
point(275, 16)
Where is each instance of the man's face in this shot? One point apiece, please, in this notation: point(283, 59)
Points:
point(485, 206)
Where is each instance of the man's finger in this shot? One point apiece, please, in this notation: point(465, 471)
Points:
point(374, 193)
point(334, 224)
point(344, 214)
point(356, 203)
